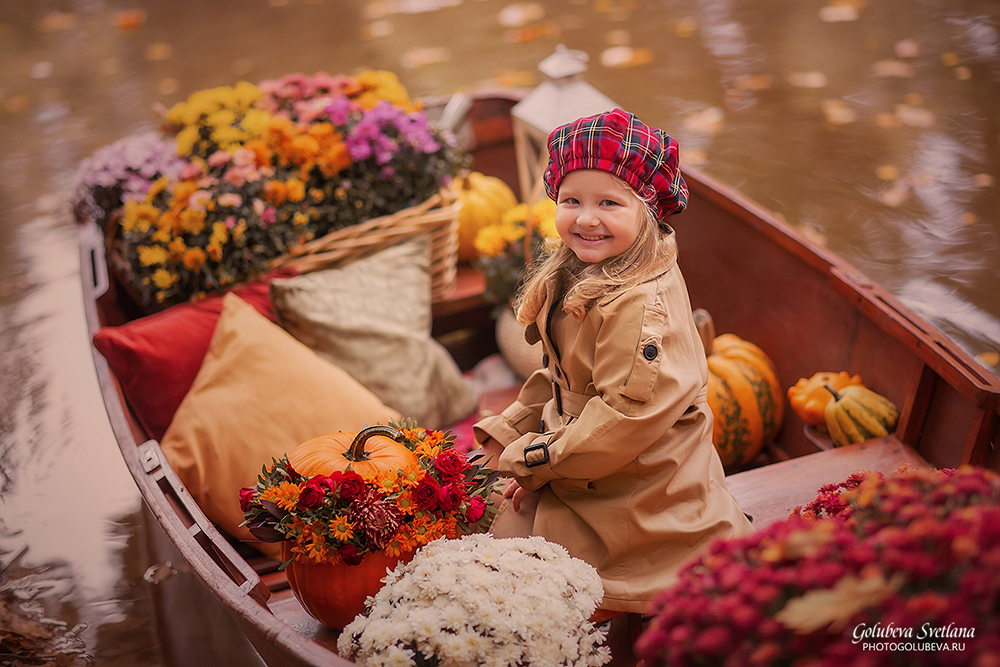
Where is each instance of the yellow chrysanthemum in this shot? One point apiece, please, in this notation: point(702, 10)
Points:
point(284, 495)
point(191, 221)
point(214, 251)
point(182, 193)
point(220, 233)
point(194, 259)
point(164, 279)
point(156, 188)
point(405, 503)
point(383, 85)
point(411, 475)
point(395, 547)
point(150, 255)
point(387, 482)
point(299, 219)
point(139, 216)
point(295, 189)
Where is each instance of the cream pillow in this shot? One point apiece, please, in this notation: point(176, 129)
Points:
point(258, 394)
point(373, 319)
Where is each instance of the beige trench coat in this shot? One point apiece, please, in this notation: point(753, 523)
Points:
point(616, 431)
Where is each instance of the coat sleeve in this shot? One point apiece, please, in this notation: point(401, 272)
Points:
point(521, 417)
point(640, 395)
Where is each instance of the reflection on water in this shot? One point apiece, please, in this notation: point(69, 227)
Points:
point(869, 127)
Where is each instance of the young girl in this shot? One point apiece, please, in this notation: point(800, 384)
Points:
point(610, 444)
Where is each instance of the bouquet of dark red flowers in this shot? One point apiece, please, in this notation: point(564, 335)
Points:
point(343, 516)
point(897, 570)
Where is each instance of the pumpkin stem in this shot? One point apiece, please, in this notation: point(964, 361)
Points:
point(836, 396)
point(357, 452)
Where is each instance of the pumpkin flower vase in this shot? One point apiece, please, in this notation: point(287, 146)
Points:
point(348, 507)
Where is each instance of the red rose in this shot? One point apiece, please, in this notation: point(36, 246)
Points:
point(332, 481)
point(351, 484)
point(452, 496)
point(476, 509)
point(246, 498)
point(451, 464)
point(426, 493)
point(349, 553)
point(311, 497)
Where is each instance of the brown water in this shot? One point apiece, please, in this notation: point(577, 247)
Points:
point(876, 135)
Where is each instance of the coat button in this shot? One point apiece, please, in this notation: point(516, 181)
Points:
point(545, 361)
point(649, 352)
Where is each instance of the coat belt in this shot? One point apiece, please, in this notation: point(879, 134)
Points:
point(568, 402)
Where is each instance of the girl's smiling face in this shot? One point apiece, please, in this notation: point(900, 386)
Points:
point(597, 215)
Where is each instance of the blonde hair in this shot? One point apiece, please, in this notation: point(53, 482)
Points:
point(581, 284)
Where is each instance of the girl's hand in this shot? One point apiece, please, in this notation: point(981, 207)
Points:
point(514, 491)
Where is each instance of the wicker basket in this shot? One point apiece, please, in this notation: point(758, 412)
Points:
point(436, 217)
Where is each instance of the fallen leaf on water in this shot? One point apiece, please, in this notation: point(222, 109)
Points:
point(625, 56)
point(914, 99)
point(755, 82)
point(532, 32)
point(989, 358)
point(158, 51)
point(969, 218)
point(838, 13)
point(617, 37)
point(835, 606)
point(837, 112)
point(516, 79)
point(706, 121)
point(168, 86)
point(16, 103)
point(376, 29)
point(950, 59)
point(963, 73)
point(109, 66)
point(241, 66)
point(807, 79)
point(424, 56)
point(892, 68)
point(982, 180)
point(686, 27)
point(914, 116)
point(812, 235)
point(894, 196)
point(57, 21)
point(521, 14)
point(278, 3)
point(42, 70)
point(887, 172)
point(886, 119)
point(130, 19)
point(907, 48)
point(694, 157)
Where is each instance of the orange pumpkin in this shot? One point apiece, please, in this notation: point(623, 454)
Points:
point(744, 393)
point(368, 452)
point(335, 594)
point(809, 396)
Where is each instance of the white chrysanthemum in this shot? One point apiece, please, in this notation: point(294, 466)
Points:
point(483, 601)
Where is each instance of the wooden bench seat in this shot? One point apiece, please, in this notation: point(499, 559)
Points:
point(770, 493)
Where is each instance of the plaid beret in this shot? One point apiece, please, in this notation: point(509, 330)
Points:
point(618, 142)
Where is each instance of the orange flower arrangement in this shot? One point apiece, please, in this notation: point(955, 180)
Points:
point(339, 518)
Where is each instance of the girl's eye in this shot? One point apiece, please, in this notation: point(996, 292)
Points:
point(569, 200)
point(609, 202)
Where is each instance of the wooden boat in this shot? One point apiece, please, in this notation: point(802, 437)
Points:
point(807, 309)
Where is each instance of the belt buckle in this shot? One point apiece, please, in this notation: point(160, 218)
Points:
point(530, 449)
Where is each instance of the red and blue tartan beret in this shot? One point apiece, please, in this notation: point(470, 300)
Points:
point(618, 142)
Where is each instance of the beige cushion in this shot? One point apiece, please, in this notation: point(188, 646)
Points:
point(258, 394)
point(373, 319)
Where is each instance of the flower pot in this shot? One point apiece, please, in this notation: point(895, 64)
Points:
point(335, 594)
point(523, 358)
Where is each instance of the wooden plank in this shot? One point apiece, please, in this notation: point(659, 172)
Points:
point(914, 411)
point(771, 492)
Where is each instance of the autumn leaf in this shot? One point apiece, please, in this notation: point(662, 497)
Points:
point(835, 606)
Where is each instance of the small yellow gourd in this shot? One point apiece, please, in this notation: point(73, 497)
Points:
point(856, 414)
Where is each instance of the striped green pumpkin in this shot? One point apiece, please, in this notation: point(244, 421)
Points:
point(745, 397)
point(857, 413)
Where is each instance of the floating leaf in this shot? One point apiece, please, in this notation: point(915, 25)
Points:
point(837, 112)
point(424, 56)
point(983, 180)
point(950, 59)
point(532, 32)
point(130, 19)
point(895, 196)
point(836, 606)
point(807, 79)
point(376, 29)
point(990, 358)
point(521, 14)
point(694, 157)
point(686, 27)
point(706, 121)
point(887, 172)
point(963, 73)
point(838, 13)
point(158, 51)
point(625, 56)
point(907, 48)
point(969, 218)
point(757, 82)
point(893, 68)
point(914, 116)
point(57, 21)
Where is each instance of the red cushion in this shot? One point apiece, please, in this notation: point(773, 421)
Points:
point(157, 357)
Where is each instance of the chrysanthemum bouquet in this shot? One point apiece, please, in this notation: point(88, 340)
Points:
point(480, 600)
point(501, 248)
point(901, 570)
point(266, 169)
point(339, 518)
